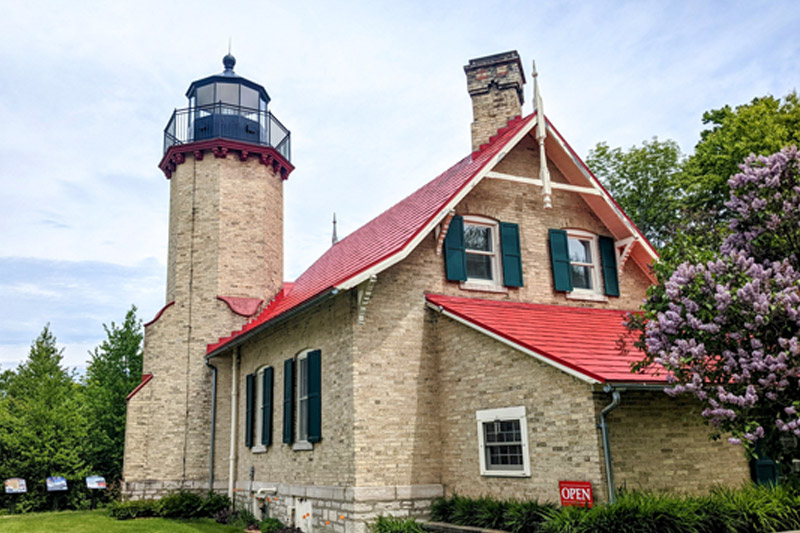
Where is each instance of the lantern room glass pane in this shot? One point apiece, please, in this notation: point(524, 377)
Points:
point(249, 98)
point(205, 95)
point(228, 93)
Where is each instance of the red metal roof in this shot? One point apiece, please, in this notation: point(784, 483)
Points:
point(382, 237)
point(583, 339)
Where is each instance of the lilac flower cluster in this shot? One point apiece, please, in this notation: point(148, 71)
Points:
point(728, 331)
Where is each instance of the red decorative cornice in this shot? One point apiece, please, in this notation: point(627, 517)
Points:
point(267, 155)
point(242, 306)
point(158, 315)
point(145, 380)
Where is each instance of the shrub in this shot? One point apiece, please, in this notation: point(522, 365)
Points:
point(243, 519)
point(212, 504)
point(441, 509)
point(132, 509)
point(393, 524)
point(271, 525)
point(525, 517)
point(180, 504)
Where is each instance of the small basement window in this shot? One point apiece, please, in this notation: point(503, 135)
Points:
point(503, 442)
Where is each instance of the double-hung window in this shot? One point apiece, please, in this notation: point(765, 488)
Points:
point(503, 442)
point(584, 261)
point(480, 247)
point(258, 417)
point(584, 264)
point(302, 400)
point(483, 253)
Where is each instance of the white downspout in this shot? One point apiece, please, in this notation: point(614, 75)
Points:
point(234, 422)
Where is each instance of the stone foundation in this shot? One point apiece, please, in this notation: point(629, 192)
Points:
point(318, 509)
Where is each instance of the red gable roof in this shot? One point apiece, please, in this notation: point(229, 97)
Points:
point(581, 340)
point(382, 237)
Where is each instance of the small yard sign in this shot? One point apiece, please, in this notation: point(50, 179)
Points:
point(16, 485)
point(56, 484)
point(576, 493)
point(96, 482)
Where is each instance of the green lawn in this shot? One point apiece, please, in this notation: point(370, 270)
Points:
point(99, 521)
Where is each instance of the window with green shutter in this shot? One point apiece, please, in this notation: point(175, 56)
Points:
point(483, 253)
point(266, 406)
point(314, 396)
point(512, 256)
point(249, 404)
point(288, 401)
point(608, 255)
point(454, 256)
point(584, 264)
point(559, 259)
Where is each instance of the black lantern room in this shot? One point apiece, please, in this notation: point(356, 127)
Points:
point(227, 106)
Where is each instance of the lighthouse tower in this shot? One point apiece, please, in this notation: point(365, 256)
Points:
point(226, 158)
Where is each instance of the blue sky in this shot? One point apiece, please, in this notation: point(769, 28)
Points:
point(373, 92)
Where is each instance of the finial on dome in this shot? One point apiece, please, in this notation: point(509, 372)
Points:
point(229, 62)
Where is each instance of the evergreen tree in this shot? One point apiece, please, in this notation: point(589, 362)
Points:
point(114, 371)
point(42, 423)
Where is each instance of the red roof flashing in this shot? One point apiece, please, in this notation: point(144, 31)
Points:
point(145, 380)
point(584, 339)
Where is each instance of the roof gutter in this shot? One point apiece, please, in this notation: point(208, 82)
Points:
point(244, 337)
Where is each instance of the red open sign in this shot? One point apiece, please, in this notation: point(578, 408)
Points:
point(576, 493)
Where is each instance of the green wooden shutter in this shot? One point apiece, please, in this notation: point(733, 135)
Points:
point(455, 260)
point(608, 255)
point(512, 257)
point(559, 257)
point(266, 407)
point(250, 381)
point(288, 401)
point(314, 396)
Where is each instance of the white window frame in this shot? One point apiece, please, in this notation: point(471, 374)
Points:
point(494, 415)
point(496, 282)
point(596, 293)
point(258, 422)
point(300, 440)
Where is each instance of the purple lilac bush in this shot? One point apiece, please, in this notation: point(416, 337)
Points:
point(728, 329)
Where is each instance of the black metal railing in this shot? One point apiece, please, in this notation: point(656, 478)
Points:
point(238, 123)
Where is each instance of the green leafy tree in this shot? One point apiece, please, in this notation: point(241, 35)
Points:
point(42, 424)
point(644, 180)
point(762, 127)
point(114, 371)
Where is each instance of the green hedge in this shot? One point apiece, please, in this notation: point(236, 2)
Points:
point(182, 504)
point(749, 509)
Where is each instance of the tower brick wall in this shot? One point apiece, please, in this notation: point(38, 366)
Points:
point(226, 225)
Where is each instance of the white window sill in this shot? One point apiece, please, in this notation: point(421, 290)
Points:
point(482, 287)
point(501, 473)
point(302, 446)
point(258, 449)
point(587, 296)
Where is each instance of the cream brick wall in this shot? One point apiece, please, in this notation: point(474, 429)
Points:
point(477, 372)
point(225, 239)
point(661, 443)
point(327, 327)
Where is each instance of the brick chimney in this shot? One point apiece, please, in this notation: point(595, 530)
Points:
point(495, 85)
